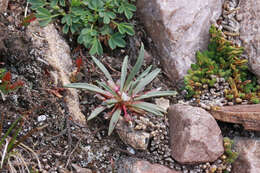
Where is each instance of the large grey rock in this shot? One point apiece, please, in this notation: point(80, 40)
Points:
point(179, 29)
point(249, 13)
point(194, 135)
point(57, 54)
point(249, 156)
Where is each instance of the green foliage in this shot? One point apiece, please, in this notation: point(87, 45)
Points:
point(231, 155)
point(5, 82)
point(222, 59)
point(93, 21)
point(127, 95)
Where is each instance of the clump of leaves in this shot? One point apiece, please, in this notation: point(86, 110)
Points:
point(127, 95)
point(94, 21)
point(5, 82)
point(222, 59)
point(231, 155)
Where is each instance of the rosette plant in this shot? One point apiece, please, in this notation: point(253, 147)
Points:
point(127, 96)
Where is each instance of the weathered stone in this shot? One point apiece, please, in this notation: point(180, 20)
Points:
point(57, 54)
point(249, 13)
point(137, 139)
point(248, 160)
point(3, 5)
point(80, 169)
point(132, 165)
point(179, 29)
point(247, 115)
point(194, 135)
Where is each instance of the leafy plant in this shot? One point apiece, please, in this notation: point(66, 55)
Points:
point(222, 59)
point(5, 82)
point(127, 95)
point(94, 21)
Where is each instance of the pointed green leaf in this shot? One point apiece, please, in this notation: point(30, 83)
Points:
point(62, 3)
point(110, 102)
point(43, 23)
point(44, 16)
point(13, 139)
point(103, 69)
point(127, 9)
point(144, 73)
point(107, 88)
point(96, 47)
point(149, 107)
point(36, 3)
point(145, 81)
point(65, 29)
point(114, 121)
point(156, 94)
point(43, 12)
point(133, 84)
point(86, 86)
point(107, 15)
point(126, 28)
point(136, 67)
point(116, 40)
point(95, 4)
point(123, 73)
point(14, 124)
point(96, 112)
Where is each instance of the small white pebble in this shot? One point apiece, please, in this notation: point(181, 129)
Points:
point(41, 118)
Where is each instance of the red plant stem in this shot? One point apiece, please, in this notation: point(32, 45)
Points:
point(126, 115)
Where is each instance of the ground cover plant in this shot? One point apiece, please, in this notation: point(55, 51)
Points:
point(93, 21)
point(127, 95)
point(222, 59)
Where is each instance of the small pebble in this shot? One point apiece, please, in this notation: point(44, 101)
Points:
point(41, 118)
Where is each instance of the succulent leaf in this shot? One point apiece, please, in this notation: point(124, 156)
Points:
point(123, 73)
point(102, 68)
point(114, 120)
point(155, 94)
point(96, 112)
point(136, 67)
point(145, 81)
point(149, 107)
point(86, 86)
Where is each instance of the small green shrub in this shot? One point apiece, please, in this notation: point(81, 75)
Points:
point(222, 59)
point(127, 94)
point(231, 155)
point(94, 21)
point(5, 82)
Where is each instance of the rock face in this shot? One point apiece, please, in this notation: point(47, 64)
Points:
point(249, 156)
point(194, 135)
point(137, 139)
point(3, 5)
point(132, 165)
point(249, 13)
point(247, 115)
point(179, 29)
point(57, 54)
